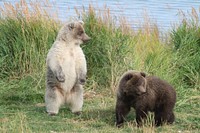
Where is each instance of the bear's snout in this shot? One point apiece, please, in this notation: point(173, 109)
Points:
point(85, 38)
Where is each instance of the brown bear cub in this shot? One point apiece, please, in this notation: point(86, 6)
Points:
point(144, 94)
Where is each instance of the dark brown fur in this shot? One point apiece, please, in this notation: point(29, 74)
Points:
point(145, 94)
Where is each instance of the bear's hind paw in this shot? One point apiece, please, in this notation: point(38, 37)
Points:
point(77, 113)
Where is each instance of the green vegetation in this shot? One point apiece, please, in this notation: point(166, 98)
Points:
point(26, 36)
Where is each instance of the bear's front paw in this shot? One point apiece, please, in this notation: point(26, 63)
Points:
point(61, 77)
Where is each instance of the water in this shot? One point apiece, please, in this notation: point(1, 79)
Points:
point(164, 13)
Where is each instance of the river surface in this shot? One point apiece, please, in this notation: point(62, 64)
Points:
point(164, 12)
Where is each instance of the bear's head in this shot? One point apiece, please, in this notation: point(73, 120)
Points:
point(73, 32)
point(135, 84)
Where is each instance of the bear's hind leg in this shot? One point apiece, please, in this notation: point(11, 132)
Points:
point(76, 99)
point(171, 118)
point(158, 118)
point(164, 116)
point(53, 100)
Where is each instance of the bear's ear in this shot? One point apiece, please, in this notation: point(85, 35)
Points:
point(81, 22)
point(71, 26)
point(143, 74)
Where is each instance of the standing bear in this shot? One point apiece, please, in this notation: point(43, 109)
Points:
point(66, 69)
point(144, 94)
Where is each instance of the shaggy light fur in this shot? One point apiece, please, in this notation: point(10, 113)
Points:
point(66, 69)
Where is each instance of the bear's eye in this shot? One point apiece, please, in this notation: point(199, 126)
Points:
point(80, 33)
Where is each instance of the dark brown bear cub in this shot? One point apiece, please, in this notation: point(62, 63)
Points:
point(144, 94)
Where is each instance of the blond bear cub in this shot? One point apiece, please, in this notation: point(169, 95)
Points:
point(66, 69)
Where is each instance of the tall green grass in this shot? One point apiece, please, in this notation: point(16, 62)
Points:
point(107, 50)
point(26, 36)
point(115, 49)
point(186, 46)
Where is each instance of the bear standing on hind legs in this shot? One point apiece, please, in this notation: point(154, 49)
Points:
point(66, 69)
point(144, 94)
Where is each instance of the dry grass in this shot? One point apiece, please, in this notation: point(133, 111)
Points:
point(29, 11)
